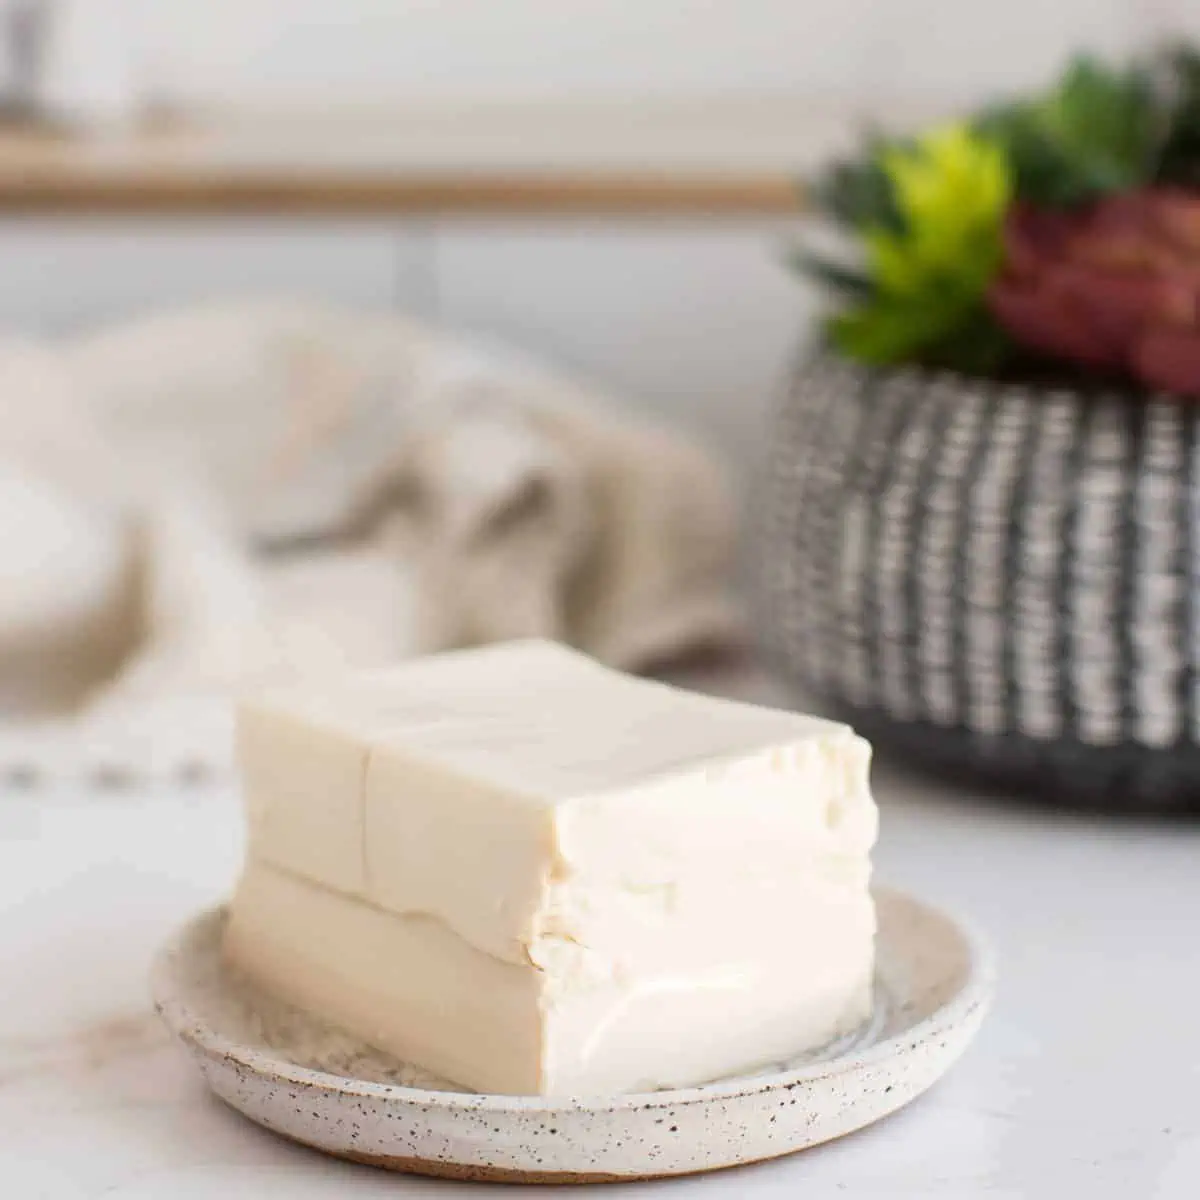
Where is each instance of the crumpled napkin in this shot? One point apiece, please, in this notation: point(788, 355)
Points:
point(196, 503)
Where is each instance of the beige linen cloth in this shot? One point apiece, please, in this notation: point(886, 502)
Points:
point(206, 500)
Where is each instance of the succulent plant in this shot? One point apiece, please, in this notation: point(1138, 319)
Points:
point(1112, 287)
point(1179, 84)
point(1099, 129)
point(928, 214)
point(1066, 223)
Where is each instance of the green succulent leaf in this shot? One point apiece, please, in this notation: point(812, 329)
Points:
point(849, 282)
point(1100, 130)
point(930, 268)
point(1106, 119)
point(890, 332)
point(1179, 157)
point(857, 194)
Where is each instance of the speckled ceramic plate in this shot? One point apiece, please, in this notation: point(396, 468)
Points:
point(306, 1081)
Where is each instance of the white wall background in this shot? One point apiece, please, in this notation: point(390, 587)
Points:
point(264, 51)
point(694, 322)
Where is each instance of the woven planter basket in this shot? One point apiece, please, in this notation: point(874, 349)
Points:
point(1000, 579)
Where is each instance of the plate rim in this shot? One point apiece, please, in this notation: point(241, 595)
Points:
point(975, 993)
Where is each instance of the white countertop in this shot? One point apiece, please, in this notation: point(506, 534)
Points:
point(1084, 1082)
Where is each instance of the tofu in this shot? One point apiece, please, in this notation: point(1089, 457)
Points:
point(302, 773)
point(530, 874)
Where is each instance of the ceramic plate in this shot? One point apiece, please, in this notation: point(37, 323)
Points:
point(306, 1081)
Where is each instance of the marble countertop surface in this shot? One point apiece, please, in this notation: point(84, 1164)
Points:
point(1084, 1082)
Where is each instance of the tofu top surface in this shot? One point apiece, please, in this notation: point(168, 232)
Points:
point(541, 720)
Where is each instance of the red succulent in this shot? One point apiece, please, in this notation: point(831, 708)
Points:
point(1114, 286)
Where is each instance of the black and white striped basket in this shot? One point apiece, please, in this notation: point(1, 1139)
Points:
point(998, 578)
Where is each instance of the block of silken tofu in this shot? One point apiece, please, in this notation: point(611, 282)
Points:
point(527, 873)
